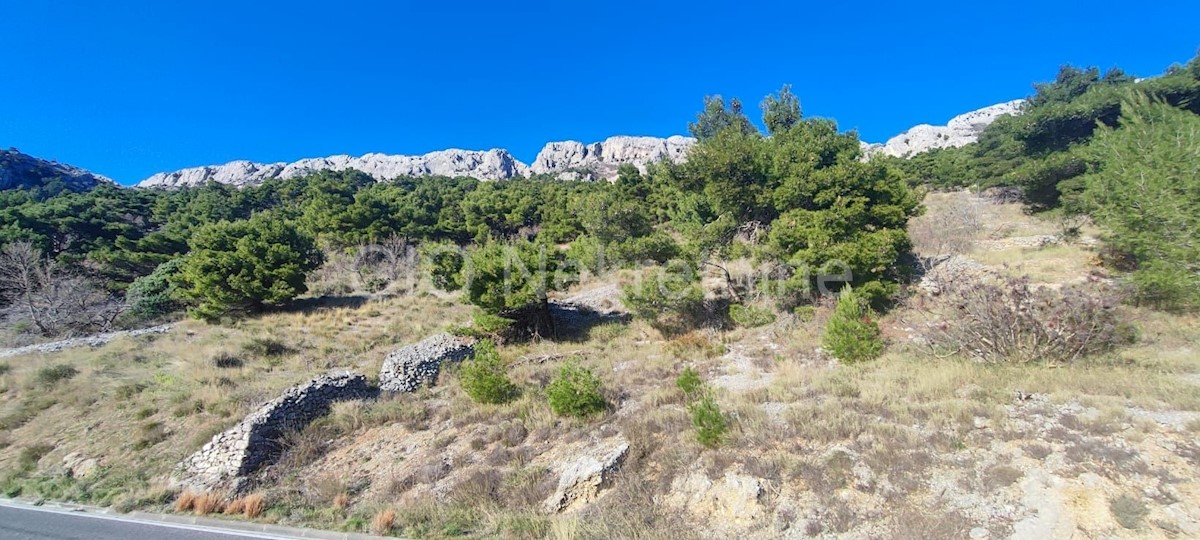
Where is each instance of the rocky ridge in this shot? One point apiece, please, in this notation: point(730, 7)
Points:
point(573, 160)
point(487, 165)
point(961, 130)
point(569, 160)
point(23, 170)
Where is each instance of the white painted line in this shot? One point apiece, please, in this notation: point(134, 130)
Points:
point(123, 519)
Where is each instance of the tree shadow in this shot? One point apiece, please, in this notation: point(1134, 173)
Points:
point(306, 305)
point(574, 322)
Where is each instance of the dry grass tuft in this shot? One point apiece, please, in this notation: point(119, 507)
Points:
point(341, 501)
point(185, 501)
point(235, 507)
point(383, 522)
point(207, 503)
point(254, 505)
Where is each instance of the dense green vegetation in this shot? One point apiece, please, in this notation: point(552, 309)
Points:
point(1144, 188)
point(796, 201)
point(1116, 149)
point(1036, 150)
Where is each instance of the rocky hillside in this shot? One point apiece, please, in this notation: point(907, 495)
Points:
point(961, 130)
point(568, 159)
point(19, 170)
point(600, 160)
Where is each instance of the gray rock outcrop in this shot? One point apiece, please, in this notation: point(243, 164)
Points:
point(486, 165)
point(568, 160)
point(225, 462)
point(417, 365)
point(600, 160)
point(19, 170)
point(583, 469)
point(961, 130)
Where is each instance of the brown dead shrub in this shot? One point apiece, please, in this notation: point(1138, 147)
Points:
point(207, 503)
point(185, 501)
point(1010, 320)
point(383, 522)
point(253, 505)
point(235, 507)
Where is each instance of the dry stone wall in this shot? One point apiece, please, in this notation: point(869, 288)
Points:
point(225, 462)
point(417, 365)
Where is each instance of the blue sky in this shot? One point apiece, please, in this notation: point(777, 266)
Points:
point(128, 89)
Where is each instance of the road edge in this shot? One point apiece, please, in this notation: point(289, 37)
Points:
point(197, 523)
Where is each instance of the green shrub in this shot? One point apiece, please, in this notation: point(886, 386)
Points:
point(1167, 286)
point(575, 391)
point(670, 298)
point(711, 425)
point(805, 313)
point(1143, 191)
point(4, 369)
point(29, 456)
point(235, 267)
point(445, 264)
point(266, 347)
point(51, 375)
point(226, 360)
point(852, 334)
point(750, 316)
point(689, 382)
point(1129, 511)
point(484, 378)
point(154, 296)
point(658, 247)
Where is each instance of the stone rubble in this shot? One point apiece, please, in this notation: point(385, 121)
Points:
point(225, 462)
point(409, 368)
point(88, 341)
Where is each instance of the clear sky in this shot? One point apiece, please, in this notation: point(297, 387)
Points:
point(131, 88)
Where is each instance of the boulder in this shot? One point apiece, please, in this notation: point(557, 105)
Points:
point(583, 470)
point(78, 466)
point(734, 499)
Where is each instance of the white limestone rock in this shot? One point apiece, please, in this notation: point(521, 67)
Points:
point(492, 164)
point(600, 160)
point(961, 130)
point(584, 469)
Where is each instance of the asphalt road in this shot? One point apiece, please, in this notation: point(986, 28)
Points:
point(33, 523)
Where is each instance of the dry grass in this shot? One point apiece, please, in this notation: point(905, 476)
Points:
point(185, 501)
point(812, 429)
point(207, 503)
point(383, 522)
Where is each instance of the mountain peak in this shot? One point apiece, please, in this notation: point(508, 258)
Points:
point(566, 159)
point(961, 130)
point(19, 170)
